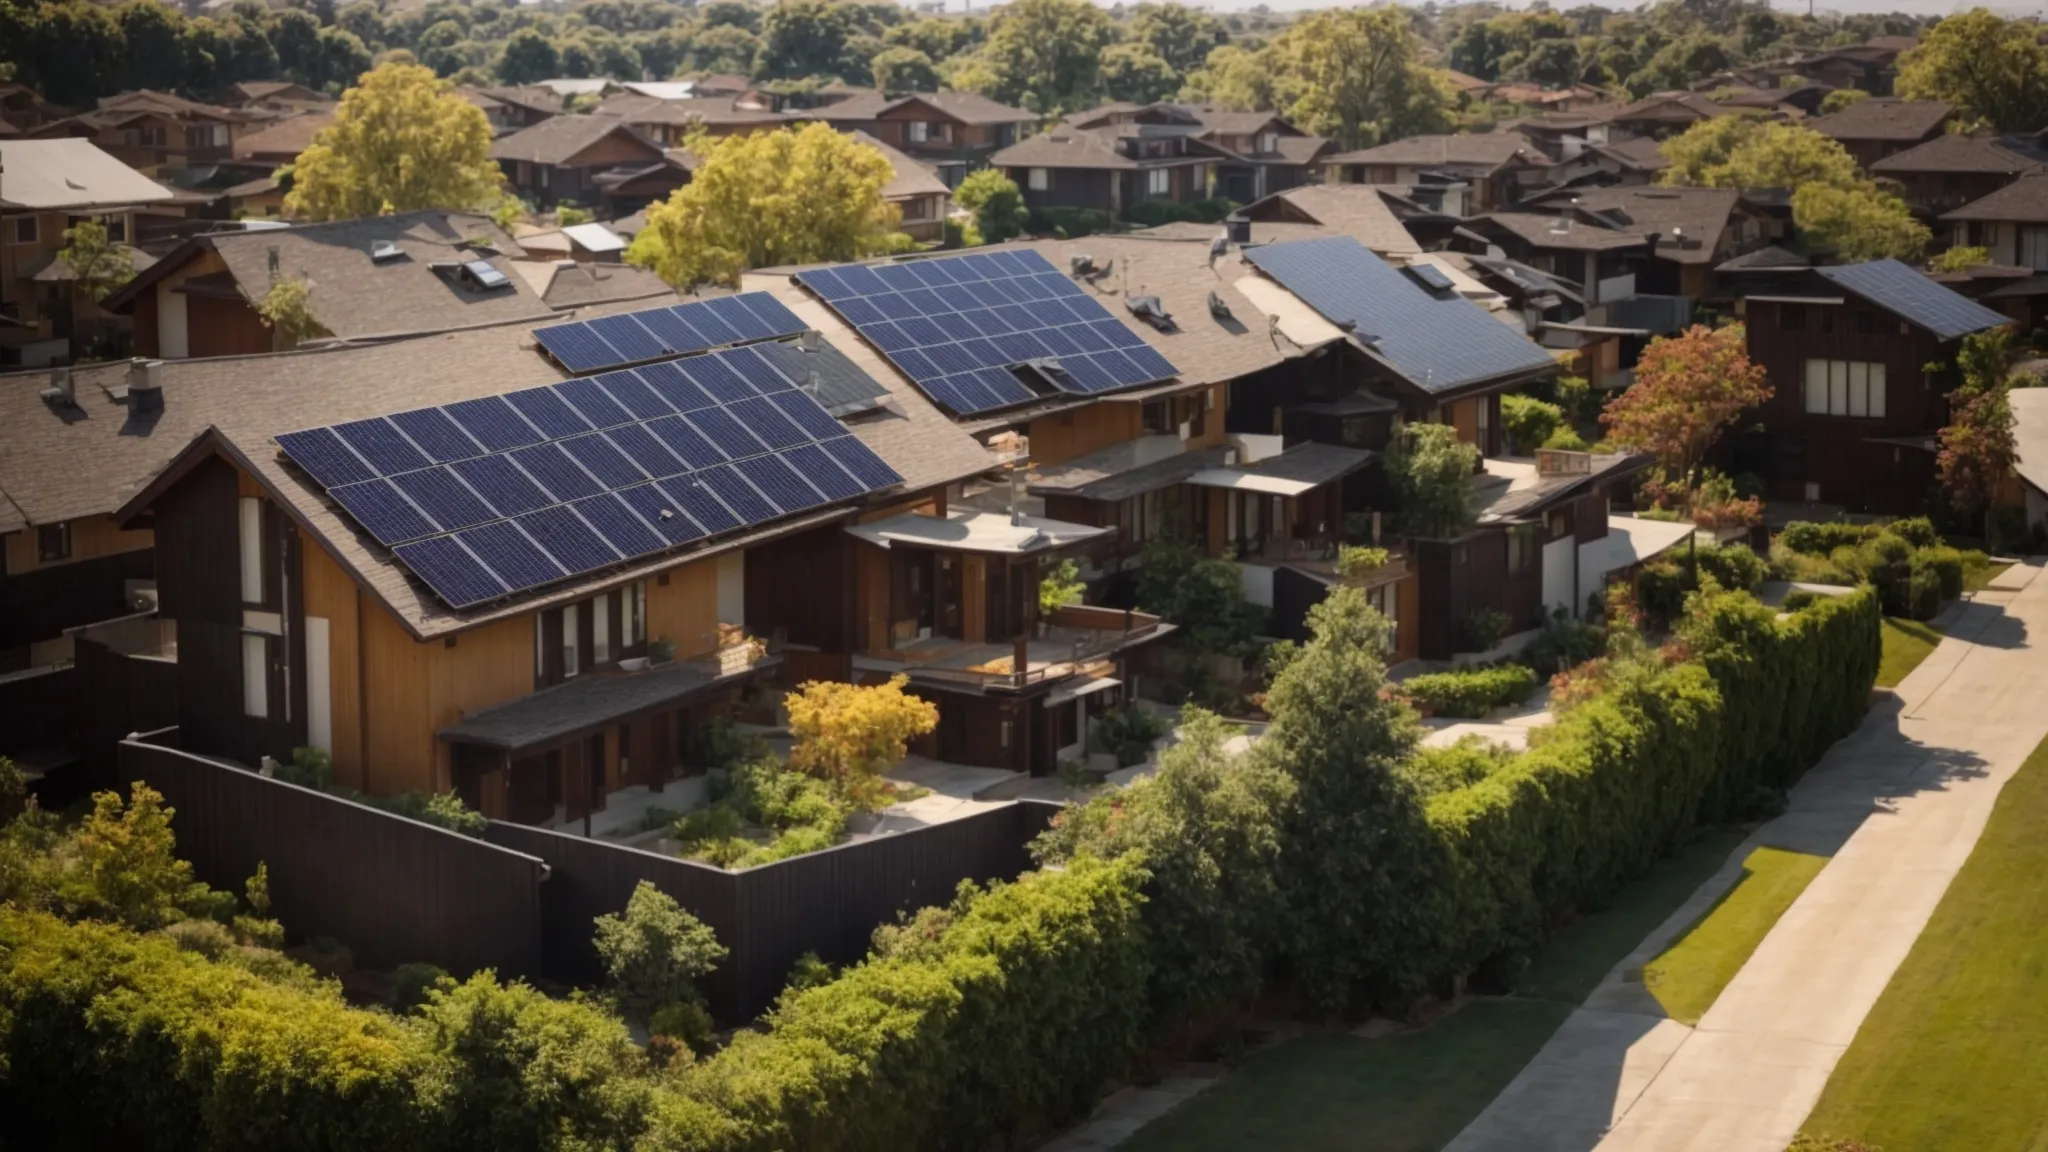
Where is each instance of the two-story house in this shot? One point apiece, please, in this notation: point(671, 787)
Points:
point(672, 121)
point(1269, 154)
point(1853, 415)
point(1113, 168)
point(1955, 169)
point(1875, 128)
point(2011, 224)
point(954, 132)
point(593, 161)
point(1460, 175)
point(151, 131)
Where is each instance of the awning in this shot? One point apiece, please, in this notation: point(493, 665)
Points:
point(973, 531)
point(1079, 689)
point(591, 702)
point(1297, 470)
point(1631, 540)
point(1241, 481)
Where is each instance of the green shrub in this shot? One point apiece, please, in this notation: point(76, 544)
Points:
point(412, 984)
point(1662, 587)
point(689, 1022)
point(442, 810)
point(1461, 765)
point(1484, 629)
point(653, 953)
point(1469, 693)
point(1126, 733)
point(1565, 440)
point(1563, 643)
point(1947, 564)
point(1799, 599)
point(1529, 422)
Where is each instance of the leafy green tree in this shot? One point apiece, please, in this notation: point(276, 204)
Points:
point(1204, 598)
point(900, 70)
point(1859, 223)
point(806, 37)
point(72, 52)
point(1689, 389)
point(1995, 70)
point(1136, 73)
point(295, 36)
point(791, 196)
point(343, 58)
point(1430, 471)
point(724, 48)
point(365, 20)
point(1833, 204)
point(731, 14)
point(152, 33)
point(1180, 35)
point(1352, 74)
point(1679, 63)
point(1977, 448)
point(1841, 98)
point(1044, 54)
point(98, 265)
point(126, 866)
point(13, 791)
point(528, 57)
point(402, 140)
point(938, 38)
point(654, 952)
point(1233, 77)
point(997, 204)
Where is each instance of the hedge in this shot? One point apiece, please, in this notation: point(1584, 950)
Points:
point(1822, 538)
point(1469, 693)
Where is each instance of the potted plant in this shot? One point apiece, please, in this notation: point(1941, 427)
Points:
point(661, 650)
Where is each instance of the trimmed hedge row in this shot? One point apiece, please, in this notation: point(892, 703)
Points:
point(1469, 693)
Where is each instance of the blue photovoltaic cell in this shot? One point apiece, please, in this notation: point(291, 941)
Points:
point(530, 493)
point(378, 507)
point(568, 539)
point(324, 457)
point(659, 510)
point(440, 495)
point(449, 569)
point(955, 325)
point(437, 435)
point(380, 443)
point(812, 464)
point(577, 347)
point(694, 498)
point(771, 312)
point(511, 554)
point(618, 525)
point(500, 482)
point(711, 324)
point(860, 460)
point(557, 472)
point(494, 423)
point(547, 411)
point(737, 494)
point(632, 341)
point(671, 330)
point(776, 481)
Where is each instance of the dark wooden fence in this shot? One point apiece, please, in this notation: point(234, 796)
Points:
point(114, 696)
point(393, 890)
point(35, 708)
point(828, 902)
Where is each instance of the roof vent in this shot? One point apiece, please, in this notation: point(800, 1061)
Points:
point(1081, 264)
point(1151, 311)
point(145, 387)
point(1238, 228)
point(381, 252)
point(60, 393)
point(273, 261)
point(1218, 308)
point(1219, 248)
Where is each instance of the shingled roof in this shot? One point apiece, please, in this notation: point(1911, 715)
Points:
point(1955, 152)
point(1472, 150)
point(287, 137)
point(559, 139)
point(1701, 213)
point(965, 107)
point(2024, 200)
point(1883, 118)
point(1356, 210)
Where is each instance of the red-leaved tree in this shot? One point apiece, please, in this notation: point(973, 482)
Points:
point(1977, 446)
point(1689, 388)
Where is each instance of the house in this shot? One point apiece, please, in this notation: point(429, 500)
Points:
point(497, 659)
point(2011, 223)
point(585, 160)
point(23, 109)
point(671, 121)
point(510, 108)
point(1111, 169)
point(1853, 416)
point(1632, 162)
point(583, 243)
point(1360, 211)
point(1270, 153)
point(381, 276)
point(1461, 175)
point(570, 284)
point(1953, 170)
point(1694, 230)
point(1569, 98)
point(954, 132)
point(280, 95)
point(916, 190)
point(1871, 66)
point(2030, 450)
point(1880, 126)
point(46, 186)
point(149, 130)
point(1662, 115)
point(283, 140)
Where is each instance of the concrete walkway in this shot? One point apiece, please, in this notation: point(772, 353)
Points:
point(1898, 805)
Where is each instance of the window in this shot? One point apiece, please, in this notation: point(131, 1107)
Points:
point(1792, 317)
point(2034, 248)
point(1845, 388)
point(634, 612)
point(601, 628)
point(53, 542)
point(1038, 179)
point(252, 549)
point(920, 132)
point(255, 675)
point(1521, 546)
point(1159, 182)
point(24, 230)
point(1158, 416)
point(1269, 141)
point(117, 228)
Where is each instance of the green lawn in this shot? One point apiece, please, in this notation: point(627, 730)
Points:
point(1415, 1091)
point(1686, 977)
point(1955, 1054)
point(1906, 644)
point(1975, 578)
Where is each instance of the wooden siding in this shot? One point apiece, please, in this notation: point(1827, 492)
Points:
point(332, 596)
point(803, 586)
point(38, 606)
point(91, 538)
point(1069, 188)
point(199, 586)
point(685, 610)
point(412, 690)
point(217, 327)
point(1065, 436)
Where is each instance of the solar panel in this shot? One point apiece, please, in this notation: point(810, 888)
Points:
point(505, 493)
point(959, 326)
point(1910, 295)
point(627, 338)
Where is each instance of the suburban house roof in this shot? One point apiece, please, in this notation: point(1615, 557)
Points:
point(1509, 491)
point(70, 173)
point(912, 178)
point(1884, 118)
point(712, 111)
point(1669, 108)
point(1563, 232)
point(1639, 153)
point(1700, 213)
point(1120, 471)
point(1767, 259)
point(352, 295)
point(964, 107)
point(564, 284)
point(287, 137)
point(1911, 296)
point(2024, 200)
point(560, 139)
point(1463, 82)
point(1439, 342)
point(1065, 146)
point(1355, 210)
point(533, 98)
point(278, 90)
point(1955, 152)
point(1489, 150)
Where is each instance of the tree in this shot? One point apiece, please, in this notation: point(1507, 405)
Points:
point(653, 953)
point(402, 140)
point(1233, 77)
point(528, 58)
point(1181, 36)
point(791, 196)
point(295, 36)
point(850, 734)
point(900, 70)
point(1058, 586)
point(1957, 259)
point(97, 265)
point(151, 33)
point(1353, 74)
point(1430, 471)
point(1044, 54)
point(343, 57)
point(1832, 203)
point(1135, 73)
point(1977, 447)
point(731, 14)
point(126, 867)
point(1688, 389)
point(997, 204)
point(1993, 69)
point(287, 308)
point(724, 48)
point(805, 38)
point(1860, 223)
point(1841, 98)
point(1203, 598)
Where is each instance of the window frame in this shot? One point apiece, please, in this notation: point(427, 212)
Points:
point(1038, 179)
point(1844, 389)
point(60, 532)
point(1158, 182)
point(35, 229)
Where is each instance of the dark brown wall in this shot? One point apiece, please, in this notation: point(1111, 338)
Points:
point(803, 586)
point(217, 327)
point(1071, 188)
point(40, 605)
point(199, 586)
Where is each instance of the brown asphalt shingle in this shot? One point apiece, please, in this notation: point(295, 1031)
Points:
point(1467, 150)
point(2024, 200)
point(1882, 118)
point(1955, 152)
point(559, 139)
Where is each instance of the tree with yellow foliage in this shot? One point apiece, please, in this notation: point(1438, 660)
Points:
point(402, 140)
point(791, 196)
point(849, 735)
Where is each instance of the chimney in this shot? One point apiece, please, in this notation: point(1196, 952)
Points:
point(60, 392)
point(1238, 227)
point(1654, 238)
point(145, 387)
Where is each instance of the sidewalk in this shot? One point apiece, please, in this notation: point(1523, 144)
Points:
point(1898, 805)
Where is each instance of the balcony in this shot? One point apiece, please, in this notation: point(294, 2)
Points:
point(1074, 639)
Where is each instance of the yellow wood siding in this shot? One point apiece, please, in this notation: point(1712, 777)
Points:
point(413, 689)
point(1064, 436)
point(91, 538)
point(686, 610)
point(331, 595)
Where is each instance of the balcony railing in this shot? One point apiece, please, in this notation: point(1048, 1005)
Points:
point(1074, 637)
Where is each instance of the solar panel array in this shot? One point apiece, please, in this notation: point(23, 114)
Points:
point(1905, 292)
point(492, 496)
point(958, 325)
point(659, 333)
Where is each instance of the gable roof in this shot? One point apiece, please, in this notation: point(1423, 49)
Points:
point(1488, 150)
point(1911, 296)
point(1438, 342)
point(558, 139)
point(1355, 210)
point(287, 137)
point(1670, 107)
point(69, 172)
point(2025, 199)
point(911, 179)
point(1562, 232)
point(1066, 146)
point(565, 284)
point(532, 97)
point(352, 296)
point(1638, 153)
point(1955, 152)
point(1884, 118)
point(1702, 213)
point(965, 107)
point(279, 90)
point(636, 108)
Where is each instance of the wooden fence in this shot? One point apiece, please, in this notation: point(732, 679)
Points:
point(393, 890)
